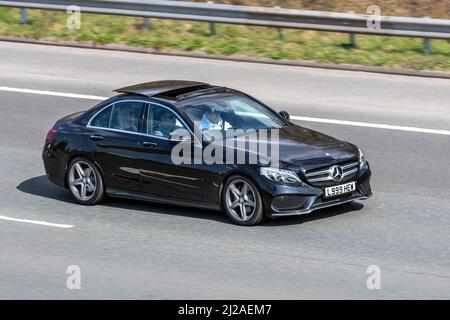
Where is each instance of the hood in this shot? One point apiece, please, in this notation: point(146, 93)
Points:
point(307, 148)
point(301, 148)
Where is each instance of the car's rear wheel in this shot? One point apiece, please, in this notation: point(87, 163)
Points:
point(85, 182)
point(242, 201)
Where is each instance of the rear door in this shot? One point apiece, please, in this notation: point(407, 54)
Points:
point(113, 137)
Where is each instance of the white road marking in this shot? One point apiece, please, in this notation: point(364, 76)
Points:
point(65, 226)
point(298, 118)
point(372, 125)
point(53, 93)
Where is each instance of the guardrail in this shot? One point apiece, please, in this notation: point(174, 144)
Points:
point(351, 23)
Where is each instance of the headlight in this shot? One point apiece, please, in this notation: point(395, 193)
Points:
point(281, 176)
point(362, 160)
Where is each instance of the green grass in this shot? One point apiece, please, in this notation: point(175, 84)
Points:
point(166, 35)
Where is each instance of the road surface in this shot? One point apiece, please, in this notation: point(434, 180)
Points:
point(136, 250)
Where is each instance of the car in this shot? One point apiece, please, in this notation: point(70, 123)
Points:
point(124, 147)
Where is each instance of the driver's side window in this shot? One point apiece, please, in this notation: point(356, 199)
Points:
point(162, 122)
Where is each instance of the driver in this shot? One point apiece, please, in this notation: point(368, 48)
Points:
point(212, 119)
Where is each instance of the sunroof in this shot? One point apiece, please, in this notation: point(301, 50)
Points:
point(174, 94)
point(208, 90)
point(151, 89)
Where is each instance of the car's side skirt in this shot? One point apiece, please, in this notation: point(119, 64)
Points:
point(116, 193)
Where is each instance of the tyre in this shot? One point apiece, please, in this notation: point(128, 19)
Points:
point(85, 182)
point(242, 201)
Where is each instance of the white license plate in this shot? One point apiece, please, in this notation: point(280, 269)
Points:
point(340, 189)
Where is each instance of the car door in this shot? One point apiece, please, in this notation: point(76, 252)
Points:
point(113, 137)
point(160, 176)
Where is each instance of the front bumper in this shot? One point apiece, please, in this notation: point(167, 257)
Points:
point(309, 198)
point(317, 206)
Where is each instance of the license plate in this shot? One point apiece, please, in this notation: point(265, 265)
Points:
point(340, 189)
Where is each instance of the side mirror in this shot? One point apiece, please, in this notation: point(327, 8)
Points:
point(285, 115)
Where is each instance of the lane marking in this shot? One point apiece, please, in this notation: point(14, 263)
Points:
point(43, 223)
point(53, 93)
point(298, 118)
point(372, 125)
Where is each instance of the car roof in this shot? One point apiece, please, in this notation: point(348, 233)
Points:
point(164, 88)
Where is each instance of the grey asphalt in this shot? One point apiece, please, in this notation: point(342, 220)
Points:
point(136, 250)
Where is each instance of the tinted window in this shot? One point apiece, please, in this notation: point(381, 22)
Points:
point(102, 119)
point(125, 115)
point(162, 122)
point(230, 111)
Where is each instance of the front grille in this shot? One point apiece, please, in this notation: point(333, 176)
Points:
point(323, 176)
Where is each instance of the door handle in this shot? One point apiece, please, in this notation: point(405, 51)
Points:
point(96, 137)
point(149, 144)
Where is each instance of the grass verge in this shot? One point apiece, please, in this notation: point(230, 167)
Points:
point(165, 35)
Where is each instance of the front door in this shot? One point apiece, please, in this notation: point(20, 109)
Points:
point(160, 176)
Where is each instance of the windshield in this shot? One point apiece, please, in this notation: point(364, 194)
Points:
point(224, 111)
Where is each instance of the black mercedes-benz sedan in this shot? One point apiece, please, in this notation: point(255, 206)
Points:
point(194, 144)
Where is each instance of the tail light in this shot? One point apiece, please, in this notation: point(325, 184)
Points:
point(50, 135)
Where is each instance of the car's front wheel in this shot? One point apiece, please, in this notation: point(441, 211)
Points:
point(85, 182)
point(242, 201)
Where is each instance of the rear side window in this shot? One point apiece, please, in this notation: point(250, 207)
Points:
point(120, 116)
point(102, 119)
point(125, 116)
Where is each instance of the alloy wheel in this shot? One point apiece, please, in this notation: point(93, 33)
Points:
point(241, 200)
point(82, 180)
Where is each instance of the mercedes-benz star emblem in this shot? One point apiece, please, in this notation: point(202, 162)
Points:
point(336, 173)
